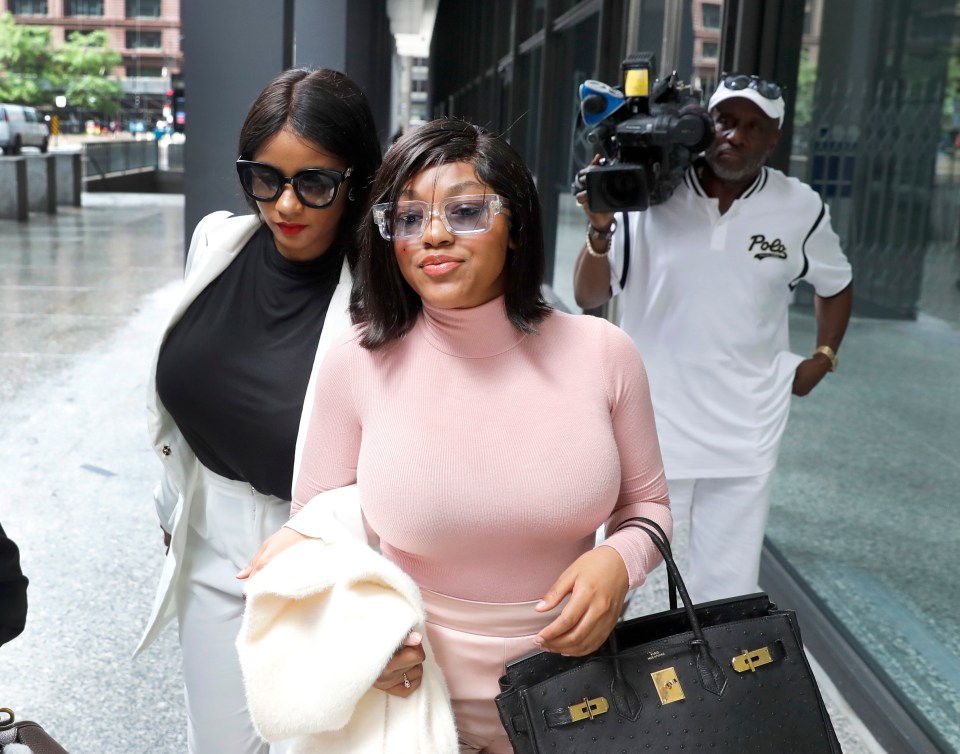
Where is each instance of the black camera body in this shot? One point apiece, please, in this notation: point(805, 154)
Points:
point(647, 131)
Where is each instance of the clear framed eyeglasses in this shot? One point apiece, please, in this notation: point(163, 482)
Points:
point(461, 215)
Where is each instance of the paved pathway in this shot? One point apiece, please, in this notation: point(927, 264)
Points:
point(82, 298)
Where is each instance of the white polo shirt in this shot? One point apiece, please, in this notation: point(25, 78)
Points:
point(706, 301)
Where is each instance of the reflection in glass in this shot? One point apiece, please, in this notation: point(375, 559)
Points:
point(871, 456)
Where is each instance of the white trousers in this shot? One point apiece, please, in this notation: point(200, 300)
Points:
point(727, 519)
point(224, 535)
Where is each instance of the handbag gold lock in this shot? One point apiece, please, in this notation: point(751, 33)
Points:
point(751, 660)
point(668, 686)
point(588, 708)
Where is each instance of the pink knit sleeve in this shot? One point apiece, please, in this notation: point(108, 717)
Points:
point(643, 486)
point(332, 444)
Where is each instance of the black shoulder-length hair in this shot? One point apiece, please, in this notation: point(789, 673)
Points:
point(327, 108)
point(382, 299)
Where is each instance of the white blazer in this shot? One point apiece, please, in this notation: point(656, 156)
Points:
point(217, 240)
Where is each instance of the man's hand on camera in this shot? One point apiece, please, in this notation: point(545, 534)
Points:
point(591, 274)
point(599, 220)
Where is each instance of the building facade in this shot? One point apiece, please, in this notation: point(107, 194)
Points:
point(145, 32)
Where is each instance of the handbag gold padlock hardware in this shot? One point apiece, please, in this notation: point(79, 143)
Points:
point(588, 708)
point(668, 686)
point(752, 660)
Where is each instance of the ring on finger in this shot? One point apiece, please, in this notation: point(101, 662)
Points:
point(406, 681)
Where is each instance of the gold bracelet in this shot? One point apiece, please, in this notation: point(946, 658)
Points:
point(592, 251)
point(830, 354)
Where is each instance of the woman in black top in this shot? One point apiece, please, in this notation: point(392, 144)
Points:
point(264, 295)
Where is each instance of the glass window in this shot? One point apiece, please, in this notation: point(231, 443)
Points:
point(83, 7)
point(501, 19)
point(143, 8)
point(710, 15)
point(706, 48)
point(77, 34)
point(530, 18)
point(533, 63)
point(139, 40)
point(562, 6)
point(28, 7)
point(144, 71)
point(537, 16)
point(870, 457)
point(578, 53)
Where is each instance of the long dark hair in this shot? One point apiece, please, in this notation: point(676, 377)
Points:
point(327, 108)
point(382, 300)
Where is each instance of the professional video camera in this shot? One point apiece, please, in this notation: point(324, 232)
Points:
point(647, 133)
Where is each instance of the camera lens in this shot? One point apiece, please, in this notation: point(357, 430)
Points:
point(624, 188)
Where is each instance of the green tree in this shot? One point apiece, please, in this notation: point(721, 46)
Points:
point(33, 73)
point(25, 62)
point(81, 64)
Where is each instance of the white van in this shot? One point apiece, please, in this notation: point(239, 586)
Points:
point(22, 126)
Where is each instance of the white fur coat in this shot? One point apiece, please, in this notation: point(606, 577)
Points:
point(321, 622)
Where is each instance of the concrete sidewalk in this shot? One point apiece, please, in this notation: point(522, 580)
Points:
point(85, 294)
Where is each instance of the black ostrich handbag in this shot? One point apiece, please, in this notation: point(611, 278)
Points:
point(726, 677)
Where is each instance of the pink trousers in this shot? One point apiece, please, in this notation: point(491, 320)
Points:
point(473, 642)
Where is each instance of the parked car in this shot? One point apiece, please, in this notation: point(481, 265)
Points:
point(22, 126)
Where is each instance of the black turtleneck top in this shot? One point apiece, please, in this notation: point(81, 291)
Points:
point(234, 369)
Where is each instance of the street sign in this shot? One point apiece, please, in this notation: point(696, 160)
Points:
point(55, 125)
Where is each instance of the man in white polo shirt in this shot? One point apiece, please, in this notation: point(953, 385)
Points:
point(706, 298)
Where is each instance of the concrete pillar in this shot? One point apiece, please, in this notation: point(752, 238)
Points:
point(13, 188)
point(41, 183)
point(225, 66)
point(69, 173)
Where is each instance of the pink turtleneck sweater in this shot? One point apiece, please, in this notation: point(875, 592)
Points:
point(485, 458)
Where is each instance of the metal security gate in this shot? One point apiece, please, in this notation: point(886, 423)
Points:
point(873, 158)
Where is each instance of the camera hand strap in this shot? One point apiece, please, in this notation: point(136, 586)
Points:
point(626, 249)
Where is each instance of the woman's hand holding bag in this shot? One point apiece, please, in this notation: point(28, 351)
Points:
point(597, 583)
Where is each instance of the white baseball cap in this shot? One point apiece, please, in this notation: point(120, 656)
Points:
point(754, 89)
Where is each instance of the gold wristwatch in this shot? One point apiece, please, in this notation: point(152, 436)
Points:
point(830, 354)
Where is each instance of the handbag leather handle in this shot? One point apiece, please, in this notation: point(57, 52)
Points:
point(671, 584)
point(711, 673)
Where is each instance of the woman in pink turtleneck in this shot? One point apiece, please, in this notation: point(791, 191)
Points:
point(489, 435)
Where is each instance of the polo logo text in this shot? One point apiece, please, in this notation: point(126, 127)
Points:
point(774, 248)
